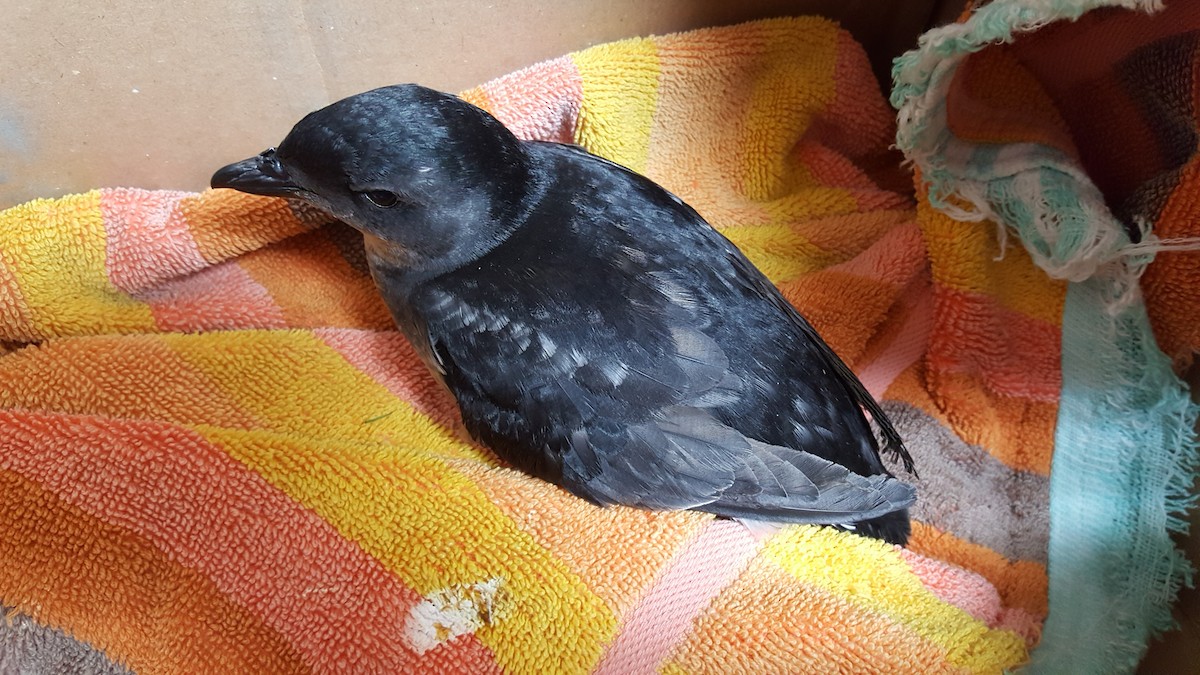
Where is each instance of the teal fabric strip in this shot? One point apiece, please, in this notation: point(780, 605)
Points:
point(953, 167)
point(1124, 459)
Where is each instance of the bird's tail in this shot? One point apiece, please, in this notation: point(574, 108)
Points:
point(894, 527)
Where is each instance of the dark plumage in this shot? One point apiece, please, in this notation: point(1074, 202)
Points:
point(594, 329)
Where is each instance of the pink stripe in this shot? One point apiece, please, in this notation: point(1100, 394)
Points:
point(831, 168)
point(909, 344)
point(1022, 623)
point(147, 238)
point(221, 297)
point(664, 617)
point(897, 257)
point(539, 102)
point(972, 594)
point(962, 588)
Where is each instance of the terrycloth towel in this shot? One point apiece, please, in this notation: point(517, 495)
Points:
point(218, 455)
point(1081, 138)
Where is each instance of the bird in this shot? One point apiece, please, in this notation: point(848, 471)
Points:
point(595, 331)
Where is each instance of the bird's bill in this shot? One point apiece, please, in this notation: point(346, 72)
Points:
point(260, 175)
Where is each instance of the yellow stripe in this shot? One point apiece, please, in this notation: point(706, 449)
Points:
point(383, 482)
point(57, 249)
point(778, 251)
point(293, 383)
point(434, 528)
point(809, 202)
point(478, 97)
point(773, 126)
point(837, 563)
point(620, 95)
point(963, 257)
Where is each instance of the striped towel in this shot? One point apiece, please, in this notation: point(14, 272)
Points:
point(1073, 124)
point(217, 454)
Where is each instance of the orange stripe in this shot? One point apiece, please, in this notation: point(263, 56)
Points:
point(695, 159)
point(962, 257)
point(841, 238)
point(1010, 353)
point(478, 97)
point(375, 469)
point(313, 284)
point(338, 606)
point(852, 304)
point(700, 160)
point(112, 376)
point(1016, 431)
point(1170, 281)
point(109, 587)
point(227, 223)
point(910, 388)
point(1021, 583)
point(541, 101)
point(858, 121)
point(845, 309)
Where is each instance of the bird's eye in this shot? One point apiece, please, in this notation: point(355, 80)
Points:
point(384, 199)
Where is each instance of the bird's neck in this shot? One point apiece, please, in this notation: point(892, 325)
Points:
point(468, 228)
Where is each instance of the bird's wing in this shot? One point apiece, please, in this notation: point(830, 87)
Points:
point(571, 388)
point(675, 459)
point(892, 443)
point(742, 272)
point(625, 418)
point(580, 351)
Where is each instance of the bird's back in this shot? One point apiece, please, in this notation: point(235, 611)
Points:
point(609, 258)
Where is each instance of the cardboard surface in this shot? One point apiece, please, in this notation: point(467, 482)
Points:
point(158, 95)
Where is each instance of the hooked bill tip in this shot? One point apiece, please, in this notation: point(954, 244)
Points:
point(261, 174)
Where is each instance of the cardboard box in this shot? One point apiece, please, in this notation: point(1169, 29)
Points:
point(158, 95)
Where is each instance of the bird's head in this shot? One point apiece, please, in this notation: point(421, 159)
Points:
point(421, 173)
